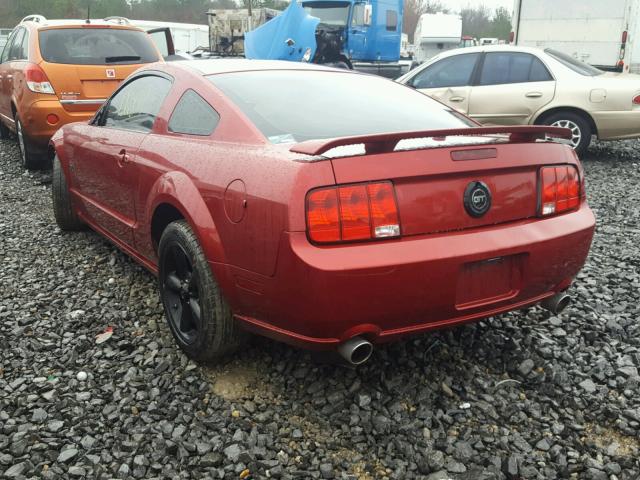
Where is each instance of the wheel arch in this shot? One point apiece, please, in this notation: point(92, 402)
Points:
point(541, 116)
point(174, 197)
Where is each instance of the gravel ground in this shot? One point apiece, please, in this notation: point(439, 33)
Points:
point(523, 396)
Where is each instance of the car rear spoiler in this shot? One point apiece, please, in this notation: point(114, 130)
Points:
point(387, 142)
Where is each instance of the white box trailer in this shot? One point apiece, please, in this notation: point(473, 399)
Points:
point(605, 34)
point(436, 33)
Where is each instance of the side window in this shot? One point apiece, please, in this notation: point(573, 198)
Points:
point(506, 67)
point(136, 105)
point(357, 19)
point(7, 47)
point(24, 47)
point(392, 20)
point(453, 71)
point(193, 116)
point(15, 51)
point(539, 72)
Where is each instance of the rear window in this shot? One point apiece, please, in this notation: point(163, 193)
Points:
point(293, 106)
point(574, 64)
point(96, 46)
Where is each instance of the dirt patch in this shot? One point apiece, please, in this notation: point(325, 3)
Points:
point(612, 441)
point(234, 381)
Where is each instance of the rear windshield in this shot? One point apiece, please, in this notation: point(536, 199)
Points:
point(575, 65)
point(295, 105)
point(96, 46)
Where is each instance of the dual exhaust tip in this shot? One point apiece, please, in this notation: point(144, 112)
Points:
point(357, 350)
point(556, 304)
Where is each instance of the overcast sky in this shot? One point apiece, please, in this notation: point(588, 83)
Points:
point(458, 4)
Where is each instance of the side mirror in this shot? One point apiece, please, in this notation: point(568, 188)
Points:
point(368, 14)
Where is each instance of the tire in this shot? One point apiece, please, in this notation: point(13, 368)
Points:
point(63, 211)
point(579, 126)
point(29, 159)
point(199, 317)
point(4, 131)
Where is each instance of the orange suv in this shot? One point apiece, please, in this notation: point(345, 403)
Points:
point(54, 72)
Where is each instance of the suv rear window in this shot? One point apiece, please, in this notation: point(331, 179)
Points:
point(96, 46)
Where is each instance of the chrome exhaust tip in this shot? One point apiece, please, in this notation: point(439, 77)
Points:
point(356, 350)
point(557, 303)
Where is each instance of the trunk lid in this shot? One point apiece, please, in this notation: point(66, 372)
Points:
point(431, 183)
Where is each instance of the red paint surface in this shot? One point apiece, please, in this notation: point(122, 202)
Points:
point(447, 268)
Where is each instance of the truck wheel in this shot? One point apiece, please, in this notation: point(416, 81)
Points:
point(199, 317)
point(29, 159)
point(579, 126)
point(63, 211)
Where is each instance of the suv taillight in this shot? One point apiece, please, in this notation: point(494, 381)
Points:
point(559, 189)
point(37, 80)
point(364, 211)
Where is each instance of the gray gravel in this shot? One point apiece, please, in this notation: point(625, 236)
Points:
point(523, 396)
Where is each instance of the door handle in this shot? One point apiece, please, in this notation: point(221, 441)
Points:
point(123, 158)
point(456, 99)
point(533, 95)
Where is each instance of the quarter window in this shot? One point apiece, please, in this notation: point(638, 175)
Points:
point(193, 116)
point(7, 47)
point(506, 67)
point(392, 20)
point(453, 71)
point(15, 52)
point(136, 105)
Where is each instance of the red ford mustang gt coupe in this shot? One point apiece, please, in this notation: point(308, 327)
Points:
point(321, 207)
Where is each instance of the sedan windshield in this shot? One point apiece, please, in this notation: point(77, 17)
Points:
point(96, 46)
point(574, 64)
point(296, 105)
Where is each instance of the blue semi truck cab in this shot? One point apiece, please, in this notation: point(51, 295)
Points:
point(360, 34)
point(357, 31)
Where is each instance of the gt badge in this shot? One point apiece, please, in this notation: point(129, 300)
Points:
point(477, 199)
point(111, 73)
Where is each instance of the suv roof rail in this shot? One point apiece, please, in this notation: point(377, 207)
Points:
point(34, 18)
point(118, 20)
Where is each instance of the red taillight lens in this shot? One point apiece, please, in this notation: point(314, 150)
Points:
point(636, 100)
point(352, 212)
point(323, 219)
point(624, 36)
point(37, 80)
point(559, 189)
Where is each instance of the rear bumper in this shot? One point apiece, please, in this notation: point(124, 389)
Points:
point(320, 297)
point(35, 122)
point(617, 125)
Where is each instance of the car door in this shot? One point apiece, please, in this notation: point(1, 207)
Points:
point(6, 77)
point(510, 88)
point(448, 80)
point(104, 165)
point(357, 37)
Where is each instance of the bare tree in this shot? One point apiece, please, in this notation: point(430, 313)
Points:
point(414, 8)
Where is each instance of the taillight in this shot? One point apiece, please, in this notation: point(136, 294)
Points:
point(37, 80)
point(347, 213)
point(624, 36)
point(559, 189)
point(636, 100)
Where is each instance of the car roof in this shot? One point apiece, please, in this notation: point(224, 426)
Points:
point(70, 23)
point(491, 48)
point(226, 65)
